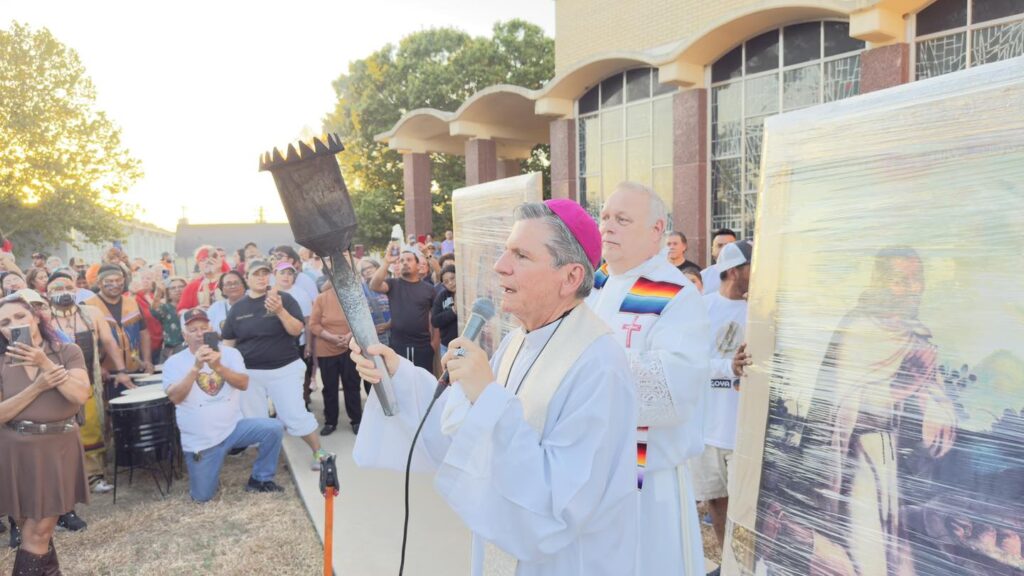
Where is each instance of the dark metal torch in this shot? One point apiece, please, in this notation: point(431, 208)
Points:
point(322, 219)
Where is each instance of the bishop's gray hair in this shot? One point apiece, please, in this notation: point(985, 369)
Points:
point(562, 245)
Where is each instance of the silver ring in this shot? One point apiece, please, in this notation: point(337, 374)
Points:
point(460, 353)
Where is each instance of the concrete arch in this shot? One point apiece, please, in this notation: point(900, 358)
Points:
point(502, 112)
point(422, 130)
point(683, 62)
point(558, 96)
point(685, 66)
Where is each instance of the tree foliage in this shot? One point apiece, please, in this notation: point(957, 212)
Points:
point(436, 68)
point(61, 159)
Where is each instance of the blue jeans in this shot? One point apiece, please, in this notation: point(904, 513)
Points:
point(204, 472)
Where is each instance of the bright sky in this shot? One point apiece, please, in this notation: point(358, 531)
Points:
point(201, 89)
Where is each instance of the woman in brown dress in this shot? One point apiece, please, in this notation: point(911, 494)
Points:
point(42, 469)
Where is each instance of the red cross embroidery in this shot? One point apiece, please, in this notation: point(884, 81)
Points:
point(630, 328)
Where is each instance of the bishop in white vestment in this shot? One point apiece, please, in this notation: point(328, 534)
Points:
point(535, 449)
point(657, 315)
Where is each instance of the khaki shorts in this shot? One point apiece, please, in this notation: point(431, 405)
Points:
point(711, 473)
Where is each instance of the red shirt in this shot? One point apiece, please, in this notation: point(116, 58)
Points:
point(190, 296)
point(156, 330)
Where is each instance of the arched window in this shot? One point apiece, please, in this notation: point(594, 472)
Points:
point(786, 69)
point(952, 35)
point(624, 127)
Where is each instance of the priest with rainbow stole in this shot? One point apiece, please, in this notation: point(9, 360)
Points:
point(659, 318)
point(535, 449)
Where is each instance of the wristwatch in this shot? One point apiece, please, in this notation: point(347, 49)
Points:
point(118, 371)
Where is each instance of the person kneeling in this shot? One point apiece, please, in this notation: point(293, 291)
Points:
point(205, 384)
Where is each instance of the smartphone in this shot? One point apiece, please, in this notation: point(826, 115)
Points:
point(23, 335)
point(212, 340)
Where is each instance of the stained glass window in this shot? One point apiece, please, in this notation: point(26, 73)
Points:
point(997, 43)
point(956, 34)
point(789, 68)
point(842, 78)
point(624, 131)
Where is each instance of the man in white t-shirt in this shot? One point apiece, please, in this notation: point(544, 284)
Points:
point(710, 276)
point(727, 312)
point(205, 384)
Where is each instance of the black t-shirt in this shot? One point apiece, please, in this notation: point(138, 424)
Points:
point(687, 264)
point(115, 309)
point(410, 312)
point(444, 317)
point(262, 339)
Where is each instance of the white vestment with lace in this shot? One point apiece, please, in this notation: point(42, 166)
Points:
point(668, 354)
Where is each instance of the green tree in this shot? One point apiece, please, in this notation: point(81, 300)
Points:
point(436, 68)
point(62, 164)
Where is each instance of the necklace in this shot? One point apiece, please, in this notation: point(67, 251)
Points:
point(542, 348)
point(64, 315)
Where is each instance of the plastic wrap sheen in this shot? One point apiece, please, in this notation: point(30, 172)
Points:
point(882, 424)
point(482, 217)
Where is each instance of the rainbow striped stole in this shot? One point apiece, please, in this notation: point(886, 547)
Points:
point(641, 455)
point(646, 297)
point(649, 297)
point(601, 276)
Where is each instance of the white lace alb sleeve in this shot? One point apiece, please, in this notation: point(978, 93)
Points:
point(652, 390)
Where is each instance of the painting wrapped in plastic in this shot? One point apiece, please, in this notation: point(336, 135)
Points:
point(883, 421)
point(482, 218)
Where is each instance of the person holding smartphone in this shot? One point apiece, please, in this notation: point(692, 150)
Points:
point(205, 381)
point(43, 384)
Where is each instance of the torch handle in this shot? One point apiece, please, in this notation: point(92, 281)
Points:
point(350, 295)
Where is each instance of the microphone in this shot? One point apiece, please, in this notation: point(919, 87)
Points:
point(483, 310)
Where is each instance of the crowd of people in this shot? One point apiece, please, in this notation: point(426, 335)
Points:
point(243, 335)
point(237, 337)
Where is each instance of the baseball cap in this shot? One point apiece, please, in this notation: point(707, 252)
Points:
point(284, 266)
point(415, 252)
point(30, 296)
point(255, 265)
point(193, 314)
point(734, 254)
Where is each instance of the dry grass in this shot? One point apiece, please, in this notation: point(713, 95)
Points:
point(236, 533)
point(711, 549)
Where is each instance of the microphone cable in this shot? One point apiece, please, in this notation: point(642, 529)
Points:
point(482, 311)
point(408, 467)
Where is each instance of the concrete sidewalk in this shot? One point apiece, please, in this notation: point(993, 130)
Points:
point(368, 513)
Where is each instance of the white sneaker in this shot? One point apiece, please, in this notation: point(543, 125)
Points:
point(102, 487)
point(317, 457)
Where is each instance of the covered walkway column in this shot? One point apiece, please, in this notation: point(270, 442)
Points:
point(481, 161)
point(418, 204)
point(508, 167)
point(563, 158)
point(690, 170)
point(886, 62)
point(884, 67)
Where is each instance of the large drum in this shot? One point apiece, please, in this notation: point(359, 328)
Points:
point(143, 424)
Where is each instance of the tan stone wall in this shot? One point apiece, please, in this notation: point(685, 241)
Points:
point(585, 28)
